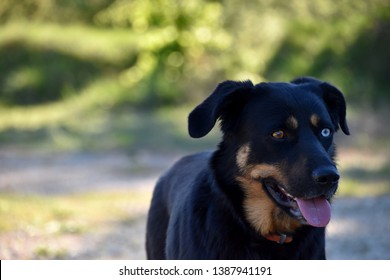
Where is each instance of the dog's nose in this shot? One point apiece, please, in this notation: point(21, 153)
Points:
point(326, 176)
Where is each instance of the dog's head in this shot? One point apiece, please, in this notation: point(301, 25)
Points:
point(278, 146)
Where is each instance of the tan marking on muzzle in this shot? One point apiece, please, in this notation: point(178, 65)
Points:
point(261, 211)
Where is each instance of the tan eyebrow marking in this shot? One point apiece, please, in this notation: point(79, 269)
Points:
point(292, 122)
point(315, 120)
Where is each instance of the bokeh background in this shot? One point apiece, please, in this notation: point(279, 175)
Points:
point(94, 97)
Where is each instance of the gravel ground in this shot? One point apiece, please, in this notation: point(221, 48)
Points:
point(359, 228)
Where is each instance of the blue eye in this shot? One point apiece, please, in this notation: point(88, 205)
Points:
point(326, 132)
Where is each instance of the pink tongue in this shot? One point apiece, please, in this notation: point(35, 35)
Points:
point(316, 211)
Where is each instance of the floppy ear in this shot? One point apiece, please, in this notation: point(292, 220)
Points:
point(334, 100)
point(202, 119)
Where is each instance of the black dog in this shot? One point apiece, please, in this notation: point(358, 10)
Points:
point(265, 192)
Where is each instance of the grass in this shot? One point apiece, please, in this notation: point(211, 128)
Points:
point(46, 252)
point(68, 214)
point(356, 188)
point(364, 172)
point(65, 127)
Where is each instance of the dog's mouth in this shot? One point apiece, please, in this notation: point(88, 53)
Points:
point(313, 211)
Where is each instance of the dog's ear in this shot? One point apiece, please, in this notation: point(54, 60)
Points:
point(202, 119)
point(334, 100)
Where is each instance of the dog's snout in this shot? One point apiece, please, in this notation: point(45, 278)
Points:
point(326, 177)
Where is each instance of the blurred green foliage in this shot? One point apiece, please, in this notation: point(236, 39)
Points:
point(164, 46)
point(66, 61)
point(162, 52)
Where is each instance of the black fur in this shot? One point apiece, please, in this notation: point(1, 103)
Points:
point(197, 208)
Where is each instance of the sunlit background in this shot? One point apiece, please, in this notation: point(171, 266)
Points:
point(94, 98)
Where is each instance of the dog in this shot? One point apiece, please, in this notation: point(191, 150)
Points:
point(265, 192)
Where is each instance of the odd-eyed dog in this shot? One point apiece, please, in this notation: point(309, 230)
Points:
point(265, 192)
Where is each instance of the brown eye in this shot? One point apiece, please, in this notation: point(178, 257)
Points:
point(279, 134)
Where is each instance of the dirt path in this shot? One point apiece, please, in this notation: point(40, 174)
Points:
point(358, 230)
